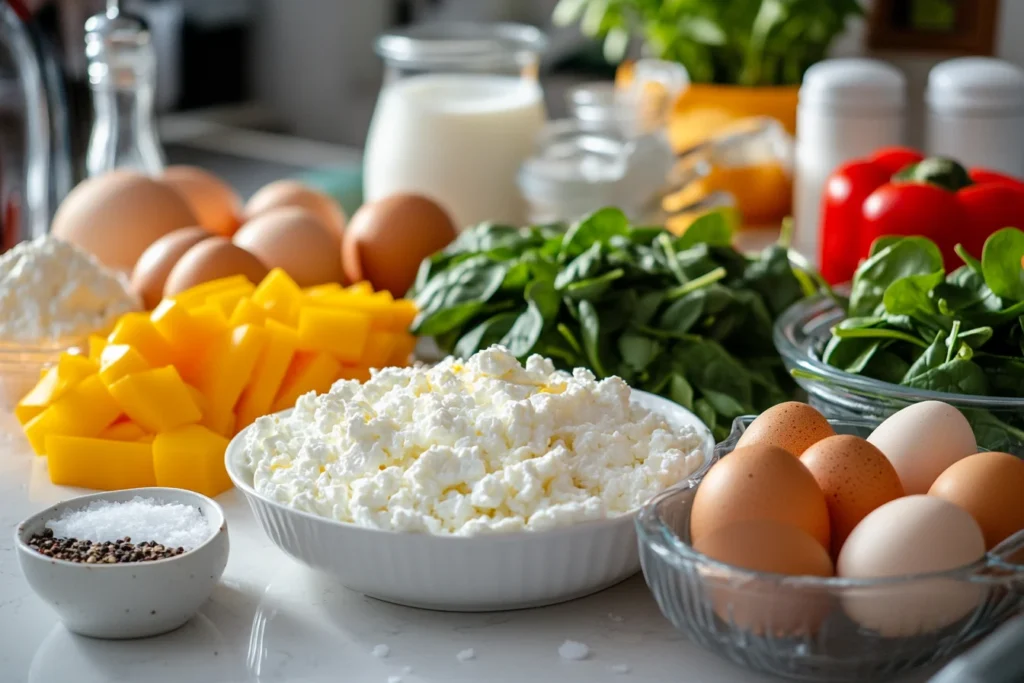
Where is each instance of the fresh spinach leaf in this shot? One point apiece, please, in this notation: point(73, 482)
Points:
point(908, 256)
point(483, 335)
point(714, 228)
point(638, 350)
point(594, 229)
point(590, 327)
point(593, 288)
point(1001, 263)
point(680, 391)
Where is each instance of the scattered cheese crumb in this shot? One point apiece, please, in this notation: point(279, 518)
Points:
point(466, 655)
point(381, 651)
point(573, 651)
point(141, 519)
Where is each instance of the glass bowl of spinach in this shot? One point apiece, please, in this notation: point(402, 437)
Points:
point(910, 332)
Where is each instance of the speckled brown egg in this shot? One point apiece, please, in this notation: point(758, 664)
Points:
point(792, 426)
point(155, 264)
point(283, 193)
point(212, 259)
point(759, 482)
point(855, 477)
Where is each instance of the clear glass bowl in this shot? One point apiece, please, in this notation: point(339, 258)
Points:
point(21, 366)
point(802, 331)
point(798, 627)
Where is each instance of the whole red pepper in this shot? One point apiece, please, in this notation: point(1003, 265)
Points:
point(935, 198)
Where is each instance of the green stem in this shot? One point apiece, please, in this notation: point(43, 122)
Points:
point(878, 334)
point(695, 284)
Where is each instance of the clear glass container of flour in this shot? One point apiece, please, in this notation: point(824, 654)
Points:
point(458, 114)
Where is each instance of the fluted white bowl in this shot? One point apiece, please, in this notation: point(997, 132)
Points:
point(456, 573)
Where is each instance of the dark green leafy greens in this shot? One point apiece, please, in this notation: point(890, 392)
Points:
point(912, 324)
point(688, 317)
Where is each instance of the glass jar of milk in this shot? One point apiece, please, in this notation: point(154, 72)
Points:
point(457, 116)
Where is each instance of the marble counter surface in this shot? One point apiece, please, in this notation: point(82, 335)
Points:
point(272, 620)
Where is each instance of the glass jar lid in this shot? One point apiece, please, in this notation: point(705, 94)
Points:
point(463, 45)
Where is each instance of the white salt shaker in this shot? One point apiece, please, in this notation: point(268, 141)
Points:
point(847, 109)
point(976, 113)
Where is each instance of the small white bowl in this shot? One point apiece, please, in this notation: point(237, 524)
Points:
point(134, 599)
point(457, 573)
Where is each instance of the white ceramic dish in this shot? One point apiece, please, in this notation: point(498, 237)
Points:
point(474, 574)
point(130, 600)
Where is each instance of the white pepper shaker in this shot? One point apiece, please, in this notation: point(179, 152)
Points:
point(847, 109)
point(976, 113)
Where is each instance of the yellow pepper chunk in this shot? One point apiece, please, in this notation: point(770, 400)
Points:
point(73, 368)
point(123, 431)
point(191, 458)
point(322, 290)
point(226, 300)
point(247, 313)
point(379, 346)
point(279, 296)
point(229, 368)
point(84, 410)
point(379, 307)
point(308, 372)
point(360, 373)
point(258, 397)
point(191, 333)
point(96, 346)
point(340, 333)
point(361, 287)
point(120, 360)
point(136, 329)
point(158, 400)
point(404, 311)
point(53, 383)
point(404, 346)
point(196, 296)
point(99, 463)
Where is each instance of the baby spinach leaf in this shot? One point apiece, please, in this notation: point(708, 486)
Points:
point(681, 315)
point(483, 335)
point(593, 288)
point(542, 303)
point(886, 366)
point(724, 404)
point(570, 339)
point(910, 295)
point(590, 326)
point(908, 256)
point(714, 228)
point(580, 268)
point(706, 412)
point(596, 228)
point(680, 391)
point(646, 307)
point(1001, 263)
point(638, 350)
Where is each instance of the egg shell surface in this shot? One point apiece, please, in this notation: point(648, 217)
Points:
point(792, 426)
point(922, 440)
point(117, 215)
point(283, 193)
point(155, 264)
point(917, 534)
point(216, 205)
point(212, 259)
point(759, 482)
point(855, 477)
point(764, 545)
point(990, 486)
point(296, 241)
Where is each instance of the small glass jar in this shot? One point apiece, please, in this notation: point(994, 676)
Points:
point(122, 76)
point(458, 114)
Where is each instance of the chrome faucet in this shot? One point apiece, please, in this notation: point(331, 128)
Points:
point(35, 165)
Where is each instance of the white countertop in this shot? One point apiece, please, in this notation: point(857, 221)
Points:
point(273, 620)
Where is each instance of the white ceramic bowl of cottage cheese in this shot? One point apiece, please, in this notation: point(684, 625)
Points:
point(472, 486)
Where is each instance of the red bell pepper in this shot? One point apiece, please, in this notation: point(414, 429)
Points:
point(867, 199)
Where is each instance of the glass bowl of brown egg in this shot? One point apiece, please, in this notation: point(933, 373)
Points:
point(789, 597)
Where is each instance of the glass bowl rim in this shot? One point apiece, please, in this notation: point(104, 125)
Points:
point(828, 375)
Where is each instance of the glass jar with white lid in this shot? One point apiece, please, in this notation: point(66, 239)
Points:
point(458, 113)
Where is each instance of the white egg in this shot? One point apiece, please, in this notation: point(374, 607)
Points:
point(911, 535)
point(922, 440)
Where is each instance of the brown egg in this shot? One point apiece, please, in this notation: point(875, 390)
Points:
point(855, 477)
point(762, 606)
point(386, 240)
point(155, 264)
point(759, 482)
point(283, 193)
point(215, 204)
point(990, 486)
point(295, 240)
point(792, 426)
point(212, 259)
point(117, 215)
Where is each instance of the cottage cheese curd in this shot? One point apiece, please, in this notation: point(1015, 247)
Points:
point(472, 447)
point(52, 290)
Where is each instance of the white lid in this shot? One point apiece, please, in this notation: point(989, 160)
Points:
point(976, 84)
point(858, 85)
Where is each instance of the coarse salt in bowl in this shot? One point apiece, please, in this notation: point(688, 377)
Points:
point(408, 554)
point(128, 599)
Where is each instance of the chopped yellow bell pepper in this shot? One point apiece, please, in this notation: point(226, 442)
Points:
point(84, 410)
point(123, 431)
point(158, 400)
point(120, 360)
point(279, 296)
point(341, 333)
point(268, 375)
point(307, 372)
point(191, 458)
point(136, 329)
point(229, 368)
point(247, 313)
point(99, 463)
point(196, 296)
point(96, 345)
